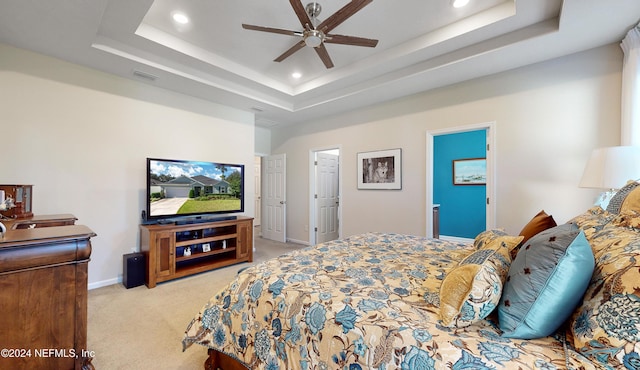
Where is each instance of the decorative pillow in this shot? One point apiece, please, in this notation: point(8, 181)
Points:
point(627, 218)
point(619, 198)
point(545, 282)
point(632, 201)
point(540, 222)
point(606, 327)
point(471, 290)
point(487, 237)
point(592, 221)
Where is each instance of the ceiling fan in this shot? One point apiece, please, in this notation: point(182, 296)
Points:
point(316, 35)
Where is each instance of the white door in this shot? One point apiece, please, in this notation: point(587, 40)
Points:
point(327, 197)
point(257, 191)
point(274, 198)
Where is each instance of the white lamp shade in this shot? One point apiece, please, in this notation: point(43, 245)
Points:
point(611, 167)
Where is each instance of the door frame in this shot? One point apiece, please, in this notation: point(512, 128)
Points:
point(257, 216)
point(313, 222)
point(490, 127)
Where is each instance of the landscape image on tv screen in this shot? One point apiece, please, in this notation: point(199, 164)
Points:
point(190, 188)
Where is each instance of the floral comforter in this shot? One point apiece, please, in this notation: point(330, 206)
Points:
point(360, 303)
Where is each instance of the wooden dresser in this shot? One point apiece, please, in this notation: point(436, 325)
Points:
point(43, 295)
point(40, 221)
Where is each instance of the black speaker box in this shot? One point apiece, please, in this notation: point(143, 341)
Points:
point(133, 267)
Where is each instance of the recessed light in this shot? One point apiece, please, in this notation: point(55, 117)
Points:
point(180, 18)
point(296, 75)
point(460, 3)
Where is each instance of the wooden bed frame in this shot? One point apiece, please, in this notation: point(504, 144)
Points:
point(218, 360)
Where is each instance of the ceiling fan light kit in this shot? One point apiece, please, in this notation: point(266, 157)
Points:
point(316, 35)
point(313, 38)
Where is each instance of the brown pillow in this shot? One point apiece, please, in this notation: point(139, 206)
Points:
point(538, 223)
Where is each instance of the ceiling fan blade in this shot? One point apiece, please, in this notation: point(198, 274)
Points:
point(324, 55)
point(342, 15)
point(301, 13)
point(292, 50)
point(351, 40)
point(272, 30)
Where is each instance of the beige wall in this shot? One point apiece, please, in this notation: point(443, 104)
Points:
point(548, 118)
point(81, 137)
point(262, 141)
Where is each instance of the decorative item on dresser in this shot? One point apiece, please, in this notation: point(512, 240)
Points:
point(43, 295)
point(17, 201)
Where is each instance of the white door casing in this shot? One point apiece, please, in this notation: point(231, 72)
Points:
point(257, 191)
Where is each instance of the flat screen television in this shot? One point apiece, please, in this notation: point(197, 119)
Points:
point(178, 189)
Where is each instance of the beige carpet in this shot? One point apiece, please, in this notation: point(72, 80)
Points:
point(142, 328)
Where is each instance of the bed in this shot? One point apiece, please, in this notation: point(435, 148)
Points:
point(393, 301)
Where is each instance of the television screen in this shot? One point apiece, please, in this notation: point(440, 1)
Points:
point(188, 188)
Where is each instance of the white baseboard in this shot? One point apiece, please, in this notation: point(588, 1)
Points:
point(303, 242)
point(100, 284)
point(456, 239)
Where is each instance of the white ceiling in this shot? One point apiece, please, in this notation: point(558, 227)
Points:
point(423, 44)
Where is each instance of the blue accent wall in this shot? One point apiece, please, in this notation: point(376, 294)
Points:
point(462, 207)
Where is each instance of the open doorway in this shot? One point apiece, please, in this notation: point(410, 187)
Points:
point(325, 181)
point(487, 200)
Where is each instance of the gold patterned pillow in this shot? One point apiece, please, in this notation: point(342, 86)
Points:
point(627, 218)
point(471, 290)
point(631, 201)
point(616, 203)
point(487, 237)
point(592, 221)
point(606, 327)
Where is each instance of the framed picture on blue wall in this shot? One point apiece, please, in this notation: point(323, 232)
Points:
point(470, 171)
point(380, 170)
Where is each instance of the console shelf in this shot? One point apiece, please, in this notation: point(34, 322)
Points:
point(174, 251)
point(204, 254)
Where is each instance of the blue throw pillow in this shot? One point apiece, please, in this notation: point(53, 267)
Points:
point(546, 281)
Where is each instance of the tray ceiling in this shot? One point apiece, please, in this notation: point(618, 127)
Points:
point(422, 45)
